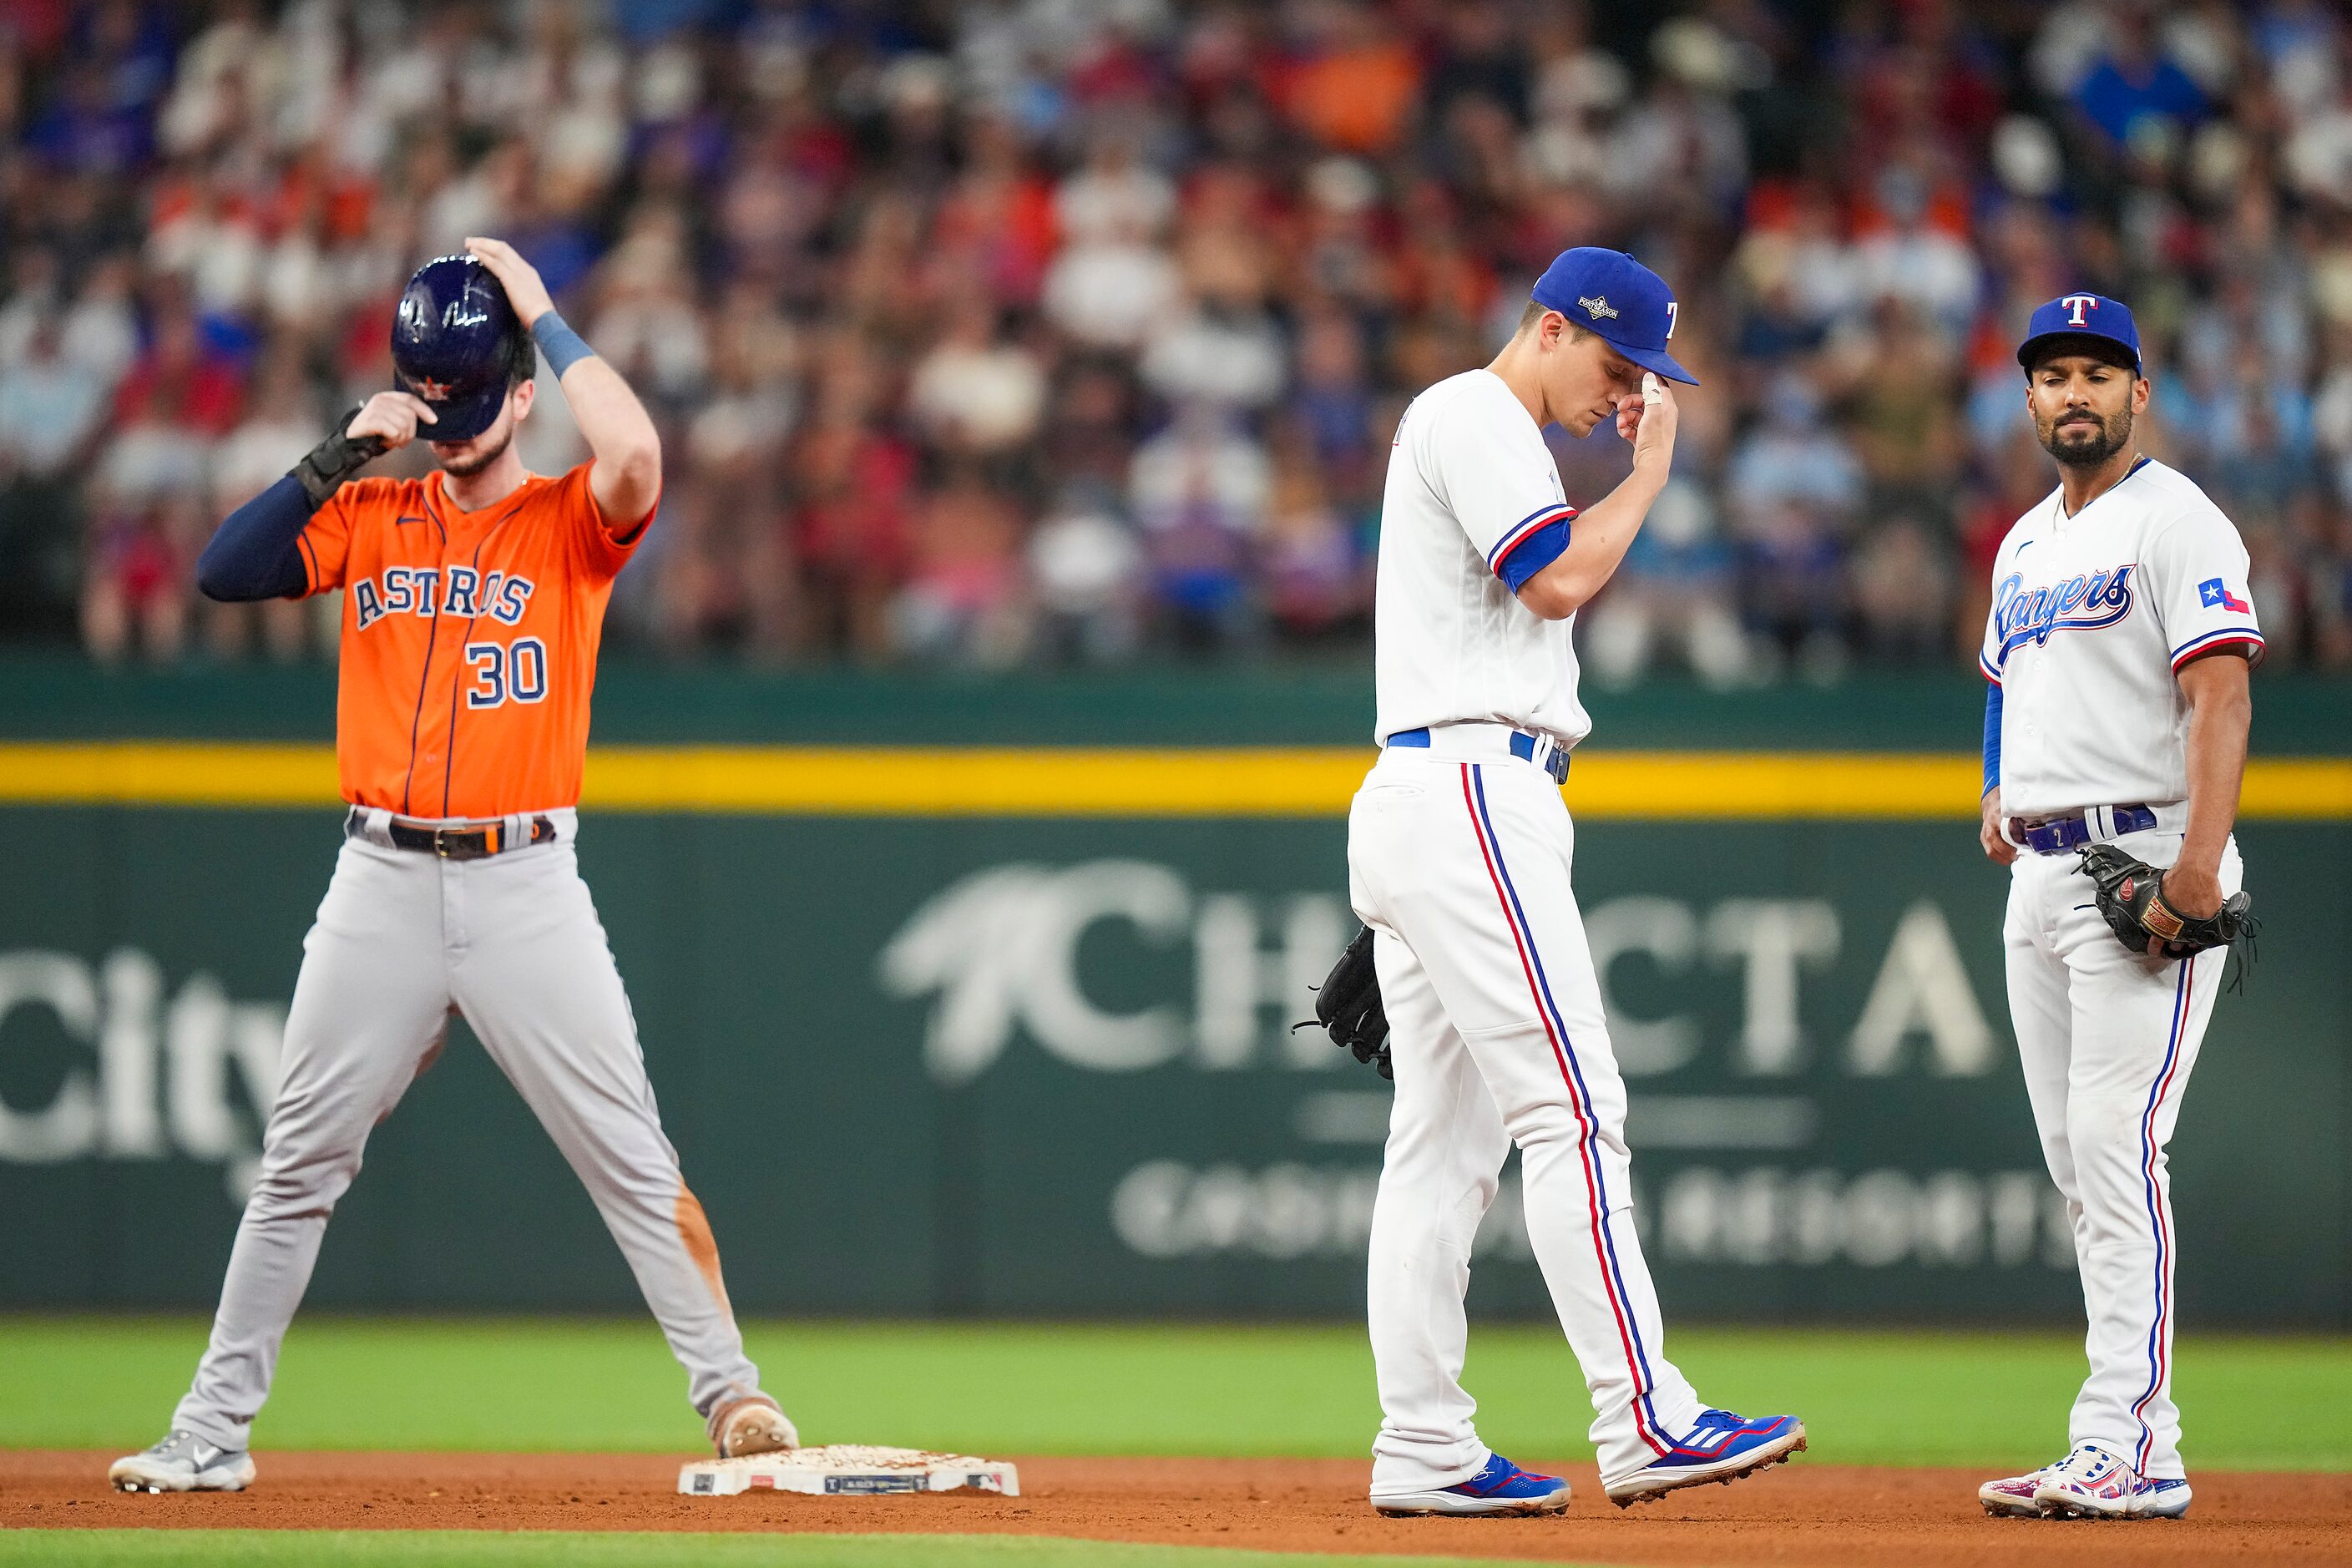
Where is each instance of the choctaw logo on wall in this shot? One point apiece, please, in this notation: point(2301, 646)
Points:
point(1749, 1178)
point(999, 953)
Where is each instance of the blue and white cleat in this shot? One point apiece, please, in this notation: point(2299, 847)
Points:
point(1502, 1487)
point(2092, 1482)
point(1721, 1448)
point(184, 1462)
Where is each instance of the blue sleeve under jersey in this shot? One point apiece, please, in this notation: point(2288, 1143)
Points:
point(253, 555)
point(1991, 738)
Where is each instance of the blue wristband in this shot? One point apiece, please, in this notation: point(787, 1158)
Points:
point(561, 346)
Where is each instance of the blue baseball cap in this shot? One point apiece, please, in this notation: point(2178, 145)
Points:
point(2080, 316)
point(1614, 297)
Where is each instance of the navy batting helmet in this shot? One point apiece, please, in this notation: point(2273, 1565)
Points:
point(457, 344)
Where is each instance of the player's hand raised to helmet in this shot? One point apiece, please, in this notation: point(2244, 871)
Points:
point(1648, 421)
point(393, 417)
point(525, 293)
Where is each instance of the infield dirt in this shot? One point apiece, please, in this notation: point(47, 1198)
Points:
point(1824, 1515)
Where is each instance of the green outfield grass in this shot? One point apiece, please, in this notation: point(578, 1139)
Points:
point(545, 1549)
point(1011, 1389)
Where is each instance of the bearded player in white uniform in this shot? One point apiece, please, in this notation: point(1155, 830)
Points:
point(1459, 852)
point(2119, 645)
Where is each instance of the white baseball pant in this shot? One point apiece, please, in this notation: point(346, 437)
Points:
point(1458, 859)
point(512, 942)
point(2108, 1039)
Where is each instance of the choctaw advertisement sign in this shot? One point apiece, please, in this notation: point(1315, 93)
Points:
point(1047, 1066)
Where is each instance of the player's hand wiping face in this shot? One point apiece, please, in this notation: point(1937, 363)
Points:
point(394, 415)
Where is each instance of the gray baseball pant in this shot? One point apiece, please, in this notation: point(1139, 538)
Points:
point(513, 943)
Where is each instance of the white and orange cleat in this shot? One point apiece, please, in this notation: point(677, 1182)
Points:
point(754, 1423)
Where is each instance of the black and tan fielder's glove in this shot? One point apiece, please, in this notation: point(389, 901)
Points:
point(2131, 895)
point(1349, 1006)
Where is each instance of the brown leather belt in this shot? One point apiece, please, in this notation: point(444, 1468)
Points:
point(453, 843)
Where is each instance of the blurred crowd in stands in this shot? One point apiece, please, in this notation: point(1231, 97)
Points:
point(993, 331)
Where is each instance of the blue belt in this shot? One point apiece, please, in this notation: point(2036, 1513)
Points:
point(1523, 746)
point(2057, 834)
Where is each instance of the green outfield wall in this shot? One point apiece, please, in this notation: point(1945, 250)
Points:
point(1033, 1061)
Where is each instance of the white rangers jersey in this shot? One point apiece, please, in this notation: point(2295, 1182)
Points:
point(2091, 615)
point(1473, 507)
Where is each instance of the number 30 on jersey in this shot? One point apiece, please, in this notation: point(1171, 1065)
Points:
point(506, 672)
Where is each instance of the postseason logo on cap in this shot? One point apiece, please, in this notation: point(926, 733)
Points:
point(1617, 298)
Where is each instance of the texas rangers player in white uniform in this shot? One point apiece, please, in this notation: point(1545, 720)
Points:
point(1458, 851)
point(2118, 648)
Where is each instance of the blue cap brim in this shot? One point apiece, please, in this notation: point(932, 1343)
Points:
point(2031, 349)
point(1658, 360)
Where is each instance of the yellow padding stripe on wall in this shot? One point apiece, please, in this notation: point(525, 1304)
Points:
point(1252, 781)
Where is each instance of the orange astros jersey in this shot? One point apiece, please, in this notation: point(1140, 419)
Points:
point(470, 640)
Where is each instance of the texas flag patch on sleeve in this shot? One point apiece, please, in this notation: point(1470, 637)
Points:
point(2215, 594)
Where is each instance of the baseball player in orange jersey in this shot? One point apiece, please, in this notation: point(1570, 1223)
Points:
point(472, 603)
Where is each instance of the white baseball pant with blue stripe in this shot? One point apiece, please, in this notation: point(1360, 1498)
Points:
point(2108, 1039)
point(1461, 869)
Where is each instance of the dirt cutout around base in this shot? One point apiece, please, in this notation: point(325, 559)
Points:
point(1823, 1516)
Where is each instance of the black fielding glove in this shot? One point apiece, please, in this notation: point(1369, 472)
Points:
point(1349, 1007)
point(2131, 897)
point(335, 459)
